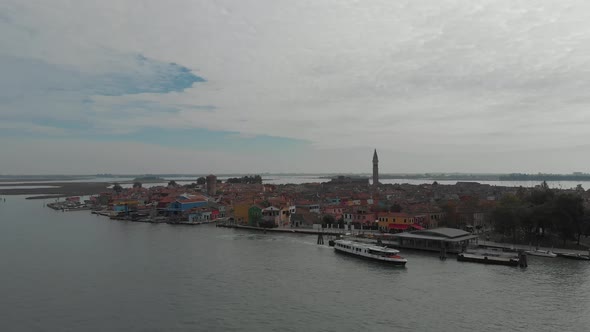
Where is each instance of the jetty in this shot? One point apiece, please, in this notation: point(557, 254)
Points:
point(285, 230)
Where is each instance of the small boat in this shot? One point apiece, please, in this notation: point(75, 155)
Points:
point(541, 253)
point(370, 251)
point(579, 257)
point(488, 257)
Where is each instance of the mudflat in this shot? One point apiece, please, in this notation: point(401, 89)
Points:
point(58, 189)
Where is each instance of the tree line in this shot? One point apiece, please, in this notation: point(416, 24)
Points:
point(543, 212)
point(254, 179)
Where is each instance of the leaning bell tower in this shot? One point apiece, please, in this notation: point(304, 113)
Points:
point(375, 168)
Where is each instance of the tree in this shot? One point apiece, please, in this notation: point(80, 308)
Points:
point(541, 195)
point(451, 216)
point(172, 183)
point(506, 215)
point(137, 184)
point(395, 207)
point(328, 219)
point(201, 180)
point(117, 188)
point(569, 210)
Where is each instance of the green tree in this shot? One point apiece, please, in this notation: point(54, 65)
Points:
point(172, 183)
point(328, 219)
point(137, 184)
point(569, 212)
point(542, 195)
point(506, 215)
point(396, 207)
point(201, 180)
point(117, 188)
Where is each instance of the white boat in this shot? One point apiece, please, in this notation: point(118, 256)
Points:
point(370, 251)
point(541, 253)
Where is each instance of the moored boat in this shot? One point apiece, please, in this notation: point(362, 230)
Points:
point(575, 256)
point(541, 253)
point(488, 257)
point(370, 251)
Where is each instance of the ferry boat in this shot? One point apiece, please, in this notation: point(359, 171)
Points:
point(370, 251)
point(541, 253)
point(488, 257)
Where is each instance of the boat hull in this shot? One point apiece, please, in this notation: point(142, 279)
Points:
point(541, 254)
point(374, 259)
point(575, 256)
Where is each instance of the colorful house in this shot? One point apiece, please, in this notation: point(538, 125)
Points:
point(254, 215)
point(241, 213)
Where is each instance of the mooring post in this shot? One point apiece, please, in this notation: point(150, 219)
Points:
point(320, 238)
point(522, 260)
point(443, 251)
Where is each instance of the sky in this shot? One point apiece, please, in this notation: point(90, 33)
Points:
point(310, 86)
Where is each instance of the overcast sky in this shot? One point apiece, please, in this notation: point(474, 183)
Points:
point(194, 86)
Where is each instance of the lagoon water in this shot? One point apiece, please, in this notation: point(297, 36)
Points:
point(75, 271)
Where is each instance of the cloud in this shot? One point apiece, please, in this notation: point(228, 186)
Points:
point(37, 91)
point(413, 77)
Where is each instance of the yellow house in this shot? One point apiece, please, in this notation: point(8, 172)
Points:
point(384, 220)
point(241, 213)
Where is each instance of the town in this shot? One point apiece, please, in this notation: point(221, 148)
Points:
point(514, 214)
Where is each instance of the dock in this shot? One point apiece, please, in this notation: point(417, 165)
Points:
point(285, 230)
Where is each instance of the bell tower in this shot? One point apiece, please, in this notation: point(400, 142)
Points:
point(375, 169)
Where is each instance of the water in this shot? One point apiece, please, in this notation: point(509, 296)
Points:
point(26, 187)
point(75, 271)
point(299, 179)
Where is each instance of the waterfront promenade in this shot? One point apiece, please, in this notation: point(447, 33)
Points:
point(516, 247)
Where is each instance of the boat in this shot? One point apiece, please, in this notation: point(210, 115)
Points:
point(541, 253)
point(370, 251)
point(488, 257)
point(575, 256)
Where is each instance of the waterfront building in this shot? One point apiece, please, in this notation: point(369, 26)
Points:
point(254, 215)
point(284, 218)
point(270, 215)
point(452, 239)
point(396, 221)
point(179, 206)
point(241, 212)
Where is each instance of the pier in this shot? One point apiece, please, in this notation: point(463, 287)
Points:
point(284, 230)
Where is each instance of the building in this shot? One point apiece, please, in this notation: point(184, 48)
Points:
point(179, 206)
point(375, 169)
point(211, 185)
point(240, 212)
point(254, 215)
point(452, 239)
point(270, 216)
